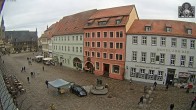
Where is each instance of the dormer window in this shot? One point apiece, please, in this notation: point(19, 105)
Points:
point(119, 19)
point(90, 22)
point(103, 21)
point(189, 31)
point(168, 29)
point(147, 28)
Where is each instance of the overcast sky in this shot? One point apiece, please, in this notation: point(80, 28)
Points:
point(32, 14)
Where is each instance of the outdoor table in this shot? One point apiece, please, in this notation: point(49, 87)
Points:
point(19, 87)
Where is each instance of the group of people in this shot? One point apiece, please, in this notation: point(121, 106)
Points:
point(23, 69)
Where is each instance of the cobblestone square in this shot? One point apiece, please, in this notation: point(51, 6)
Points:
point(122, 95)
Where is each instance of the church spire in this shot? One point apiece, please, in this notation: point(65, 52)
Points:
point(2, 24)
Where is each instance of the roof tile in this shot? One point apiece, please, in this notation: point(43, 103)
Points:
point(158, 28)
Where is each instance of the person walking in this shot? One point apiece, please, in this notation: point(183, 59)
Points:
point(24, 68)
point(28, 79)
point(46, 83)
point(171, 106)
point(155, 85)
point(141, 100)
point(43, 68)
point(167, 86)
point(193, 102)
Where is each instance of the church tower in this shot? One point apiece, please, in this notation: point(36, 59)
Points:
point(2, 25)
point(2, 29)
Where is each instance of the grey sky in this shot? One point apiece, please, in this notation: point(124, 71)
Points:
point(32, 14)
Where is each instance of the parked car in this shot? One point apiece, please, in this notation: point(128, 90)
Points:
point(78, 90)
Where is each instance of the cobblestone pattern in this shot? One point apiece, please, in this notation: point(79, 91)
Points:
point(122, 95)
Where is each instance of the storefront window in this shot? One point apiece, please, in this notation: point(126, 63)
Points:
point(116, 69)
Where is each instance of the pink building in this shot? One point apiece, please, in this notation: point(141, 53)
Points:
point(105, 41)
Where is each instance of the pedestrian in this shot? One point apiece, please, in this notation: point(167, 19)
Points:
point(167, 86)
point(31, 74)
point(193, 102)
point(141, 100)
point(171, 106)
point(24, 68)
point(28, 79)
point(21, 69)
point(46, 83)
point(3, 61)
point(155, 85)
point(43, 68)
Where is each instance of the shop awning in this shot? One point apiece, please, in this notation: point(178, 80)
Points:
point(39, 56)
point(47, 59)
point(184, 74)
point(59, 83)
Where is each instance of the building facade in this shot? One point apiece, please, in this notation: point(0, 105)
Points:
point(67, 41)
point(160, 50)
point(105, 41)
point(21, 41)
point(45, 40)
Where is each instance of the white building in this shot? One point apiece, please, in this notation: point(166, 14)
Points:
point(46, 42)
point(67, 41)
point(161, 50)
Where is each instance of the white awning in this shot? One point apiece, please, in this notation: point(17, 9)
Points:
point(47, 59)
point(58, 83)
point(39, 56)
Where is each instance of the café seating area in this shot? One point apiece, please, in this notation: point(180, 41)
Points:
point(13, 85)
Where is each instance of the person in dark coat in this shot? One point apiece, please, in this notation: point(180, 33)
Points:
point(167, 86)
point(28, 79)
point(43, 68)
point(171, 106)
point(141, 100)
point(155, 85)
point(193, 102)
point(46, 83)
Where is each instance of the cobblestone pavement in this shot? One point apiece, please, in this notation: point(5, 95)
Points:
point(123, 95)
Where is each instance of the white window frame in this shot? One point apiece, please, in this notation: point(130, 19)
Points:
point(191, 61)
point(163, 41)
point(192, 44)
point(104, 53)
point(99, 55)
point(132, 72)
point(97, 65)
point(134, 55)
point(173, 42)
point(182, 60)
point(112, 56)
point(97, 45)
point(153, 41)
point(135, 40)
point(172, 59)
point(184, 43)
point(143, 57)
point(113, 71)
point(152, 57)
point(162, 58)
point(144, 40)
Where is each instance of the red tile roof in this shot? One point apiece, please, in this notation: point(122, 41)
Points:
point(73, 24)
point(110, 15)
point(159, 28)
point(111, 12)
point(50, 31)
